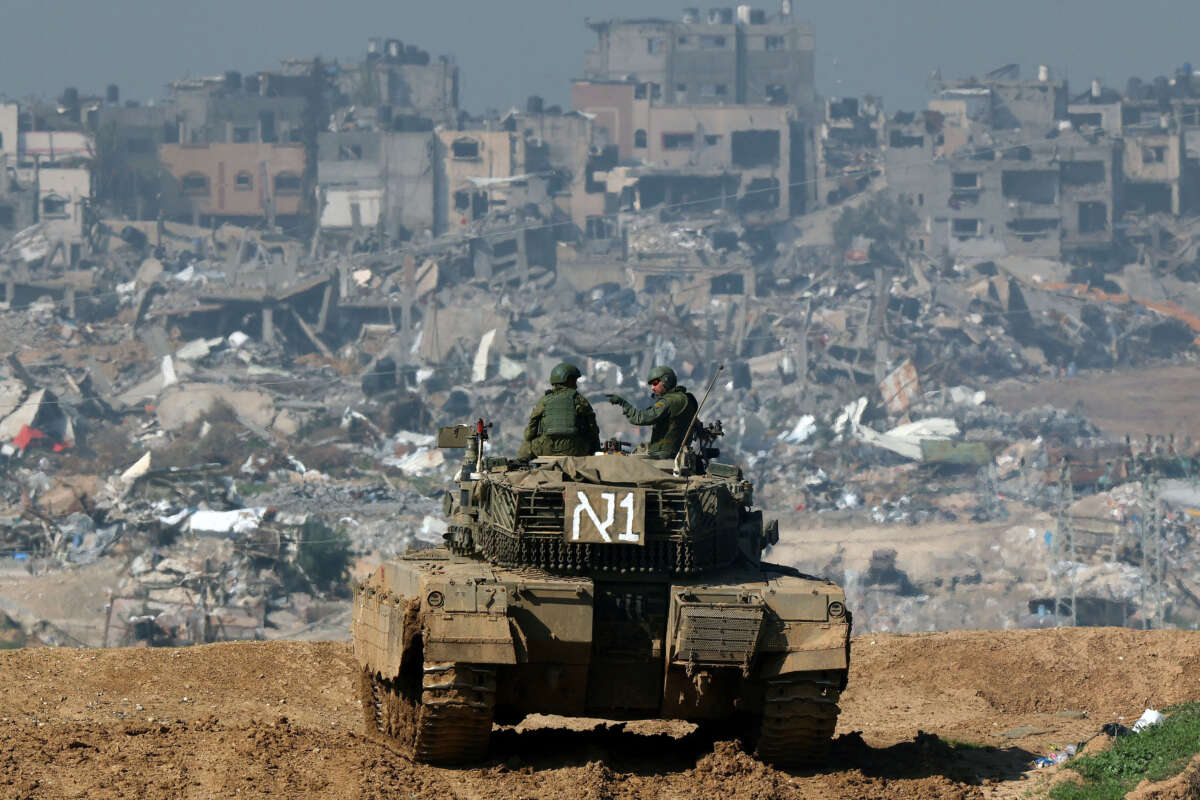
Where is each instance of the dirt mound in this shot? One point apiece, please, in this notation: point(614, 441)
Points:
point(1085, 669)
point(1184, 786)
point(283, 719)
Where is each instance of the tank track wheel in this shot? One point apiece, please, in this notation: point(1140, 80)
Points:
point(454, 718)
point(449, 723)
point(799, 716)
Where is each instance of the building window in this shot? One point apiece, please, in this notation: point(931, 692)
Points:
point(54, 205)
point(287, 183)
point(678, 141)
point(640, 91)
point(243, 134)
point(194, 183)
point(965, 227)
point(462, 200)
point(681, 88)
point(966, 180)
point(138, 146)
point(1, 141)
point(1154, 155)
point(1093, 217)
point(1030, 186)
point(776, 94)
point(465, 148)
point(712, 42)
point(683, 40)
point(639, 138)
point(244, 182)
point(712, 139)
point(899, 140)
point(774, 43)
point(755, 148)
point(713, 90)
point(655, 45)
point(8, 216)
point(349, 152)
point(655, 91)
point(1078, 173)
point(729, 283)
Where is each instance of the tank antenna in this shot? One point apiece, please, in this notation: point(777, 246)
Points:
point(696, 416)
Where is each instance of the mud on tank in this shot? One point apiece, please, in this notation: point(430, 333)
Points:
point(608, 586)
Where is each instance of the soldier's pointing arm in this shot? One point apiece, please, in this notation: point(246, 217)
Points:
point(648, 416)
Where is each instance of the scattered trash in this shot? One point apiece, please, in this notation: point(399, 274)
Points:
point(1148, 718)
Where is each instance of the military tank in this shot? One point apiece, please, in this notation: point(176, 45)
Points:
point(609, 586)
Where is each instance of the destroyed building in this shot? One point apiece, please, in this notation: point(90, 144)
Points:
point(232, 108)
point(402, 83)
point(47, 177)
point(742, 56)
point(1111, 156)
point(1001, 194)
point(745, 159)
point(380, 180)
point(848, 154)
point(643, 71)
point(1007, 102)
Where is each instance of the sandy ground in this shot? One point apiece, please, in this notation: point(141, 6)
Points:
point(282, 719)
point(1158, 400)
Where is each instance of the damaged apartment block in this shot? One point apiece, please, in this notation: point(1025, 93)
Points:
point(982, 185)
point(713, 112)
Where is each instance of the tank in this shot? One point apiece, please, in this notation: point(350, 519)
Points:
point(610, 586)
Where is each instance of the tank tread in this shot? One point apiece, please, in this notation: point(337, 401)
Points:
point(454, 719)
point(451, 722)
point(800, 713)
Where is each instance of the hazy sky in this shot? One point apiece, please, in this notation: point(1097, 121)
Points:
point(509, 49)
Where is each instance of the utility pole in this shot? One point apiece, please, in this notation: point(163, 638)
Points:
point(1159, 545)
point(1064, 545)
point(1142, 526)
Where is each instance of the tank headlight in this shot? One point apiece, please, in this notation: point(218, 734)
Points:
point(837, 609)
point(435, 599)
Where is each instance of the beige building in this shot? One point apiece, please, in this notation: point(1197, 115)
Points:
point(228, 179)
point(1154, 167)
point(470, 158)
point(62, 193)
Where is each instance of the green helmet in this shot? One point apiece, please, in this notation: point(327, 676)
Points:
point(564, 372)
point(664, 374)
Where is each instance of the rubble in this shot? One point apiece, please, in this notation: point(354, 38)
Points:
point(193, 380)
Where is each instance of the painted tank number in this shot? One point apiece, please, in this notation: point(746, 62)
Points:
point(596, 515)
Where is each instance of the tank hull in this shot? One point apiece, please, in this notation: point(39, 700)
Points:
point(763, 648)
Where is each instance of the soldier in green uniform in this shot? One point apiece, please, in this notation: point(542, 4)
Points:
point(672, 412)
point(563, 422)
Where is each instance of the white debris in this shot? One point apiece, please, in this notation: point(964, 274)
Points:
point(242, 520)
point(799, 434)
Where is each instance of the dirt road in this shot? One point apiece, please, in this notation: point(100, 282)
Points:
point(282, 720)
point(1155, 400)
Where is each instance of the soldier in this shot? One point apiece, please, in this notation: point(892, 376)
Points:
point(671, 414)
point(563, 422)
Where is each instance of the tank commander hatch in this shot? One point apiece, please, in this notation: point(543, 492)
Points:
point(672, 412)
point(562, 422)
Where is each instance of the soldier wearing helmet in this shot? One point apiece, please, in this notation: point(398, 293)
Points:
point(563, 422)
point(672, 412)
